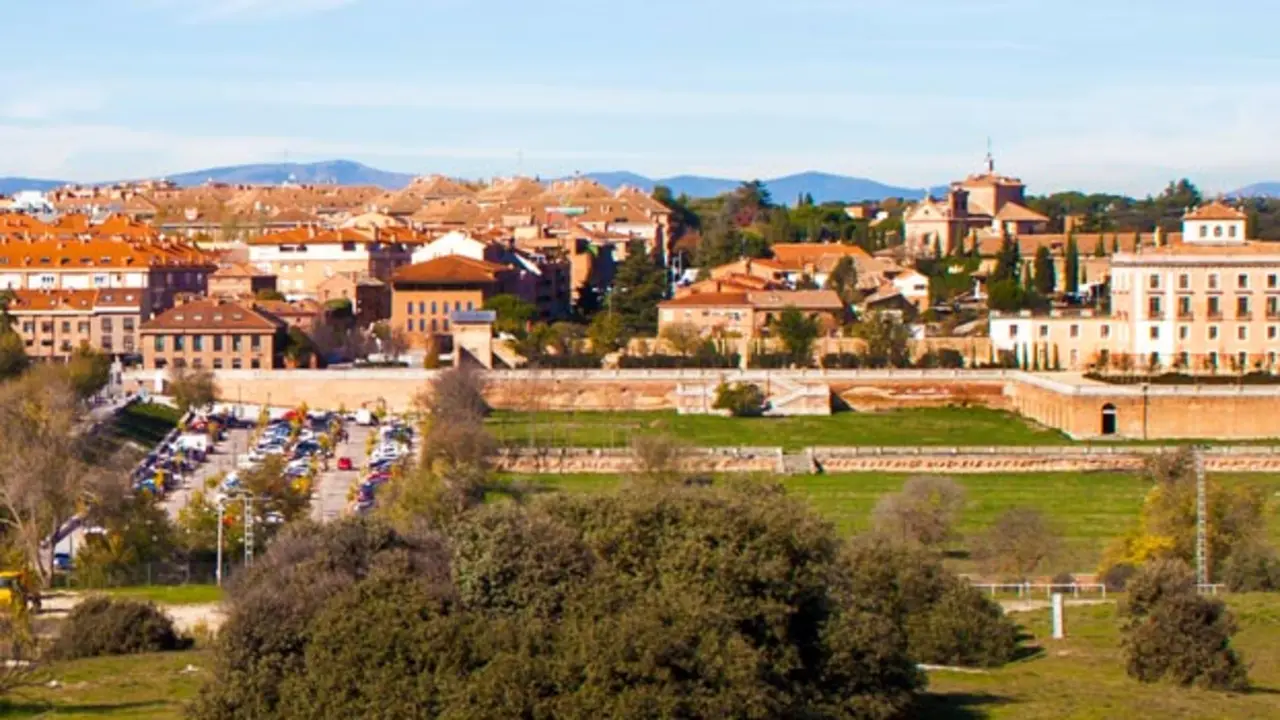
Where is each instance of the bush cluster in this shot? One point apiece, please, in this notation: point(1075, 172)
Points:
point(671, 601)
point(740, 399)
point(102, 626)
point(670, 362)
point(1173, 633)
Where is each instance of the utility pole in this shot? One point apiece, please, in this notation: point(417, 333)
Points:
point(1202, 521)
point(248, 530)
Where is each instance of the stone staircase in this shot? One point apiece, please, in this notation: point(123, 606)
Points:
point(784, 397)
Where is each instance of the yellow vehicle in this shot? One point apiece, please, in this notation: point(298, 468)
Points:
point(16, 591)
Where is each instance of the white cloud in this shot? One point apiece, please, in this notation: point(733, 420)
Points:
point(204, 11)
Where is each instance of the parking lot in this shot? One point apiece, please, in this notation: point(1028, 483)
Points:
point(331, 491)
point(221, 460)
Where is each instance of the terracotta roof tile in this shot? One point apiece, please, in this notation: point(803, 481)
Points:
point(210, 315)
point(449, 270)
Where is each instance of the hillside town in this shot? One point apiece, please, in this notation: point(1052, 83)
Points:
point(154, 275)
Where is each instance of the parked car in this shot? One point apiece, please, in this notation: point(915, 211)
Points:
point(344, 463)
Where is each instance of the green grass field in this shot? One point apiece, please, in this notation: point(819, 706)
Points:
point(924, 426)
point(146, 423)
point(1080, 677)
point(1089, 509)
point(167, 594)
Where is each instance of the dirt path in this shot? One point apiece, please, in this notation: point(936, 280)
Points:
point(185, 617)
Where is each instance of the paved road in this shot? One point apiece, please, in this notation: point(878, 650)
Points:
point(329, 496)
point(223, 459)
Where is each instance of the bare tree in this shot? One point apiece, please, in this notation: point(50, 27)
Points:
point(659, 458)
point(923, 513)
point(1017, 544)
point(49, 464)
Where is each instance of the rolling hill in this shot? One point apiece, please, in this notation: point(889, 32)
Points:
point(1262, 189)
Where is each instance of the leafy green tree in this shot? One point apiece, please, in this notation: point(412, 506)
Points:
point(639, 285)
point(1006, 295)
point(1071, 265)
point(888, 340)
point(606, 333)
point(1045, 277)
point(192, 388)
point(514, 313)
point(89, 371)
point(13, 355)
point(740, 399)
point(798, 332)
point(269, 296)
point(1008, 260)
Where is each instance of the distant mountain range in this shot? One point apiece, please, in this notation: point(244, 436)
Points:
point(1258, 190)
point(824, 187)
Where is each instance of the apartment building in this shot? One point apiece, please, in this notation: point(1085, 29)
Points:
point(234, 280)
point(213, 334)
point(303, 258)
point(424, 296)
point(1209, 302)
point(117, 254)
point(53, 323)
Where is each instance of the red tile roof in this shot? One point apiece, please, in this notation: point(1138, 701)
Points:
point(450, 270)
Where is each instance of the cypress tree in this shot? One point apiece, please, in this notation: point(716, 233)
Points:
point(1071, 265)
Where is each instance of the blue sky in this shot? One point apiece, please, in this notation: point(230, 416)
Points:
point(1100, 95)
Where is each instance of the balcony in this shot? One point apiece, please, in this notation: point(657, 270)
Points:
point(1155, 314)
point(1247, 315)
point(1186, 315)
point(1215, 315)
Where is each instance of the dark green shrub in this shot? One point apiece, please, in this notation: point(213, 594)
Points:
point(1116, 577)
point(948, 622)
point(102, 626)
point(740, 399)
point(1252, 567)
point(1173, 633)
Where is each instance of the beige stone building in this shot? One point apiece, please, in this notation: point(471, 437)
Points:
point(984, 201)
point(212, 334)
point(53, 323)
point(748, 314)
point(1209, 302)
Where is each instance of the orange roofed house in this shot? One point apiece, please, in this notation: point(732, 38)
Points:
point(425, 295)
point(52, 323)
point(748, 314)
point(213, 334)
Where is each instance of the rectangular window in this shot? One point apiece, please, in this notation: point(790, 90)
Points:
point(1044, 331)
point(410, 304)
point(1155, 332)
point(179, 343)
point(127, 324)
point(1271, 332)
point(1184, 282)
point(1273, 281)
point(1213, 359)
point(107, 326)
point(445, 325)
point(1242, 358)
point(1153, 281)
point(1213, 332)
point(408, 325)
point(1242, 307)
point(1154, 306)
point(433, 308)
point(1273, 306)
point(83, 327)
point(217, 343)
point(1105, 331)
point(422, 325)
point(1184, 306)
point(1242, 281)
point(236, 364)
point(1242, 332)
point(1075, 331)
point(1013, 331)
point(1184, 332)
point(1184, 359)
point(66, 327)
point(1215, 307)
point(217, 363)
point(197, 343)
point(198, 363)
point(255, 343)
point(1213, 281)
point(237, 343)
point(255, 364)
point(159, 343)
point(422, 308)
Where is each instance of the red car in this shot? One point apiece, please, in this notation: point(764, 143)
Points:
point(345, 464)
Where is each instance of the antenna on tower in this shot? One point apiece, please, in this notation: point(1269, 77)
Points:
point(991, 160)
